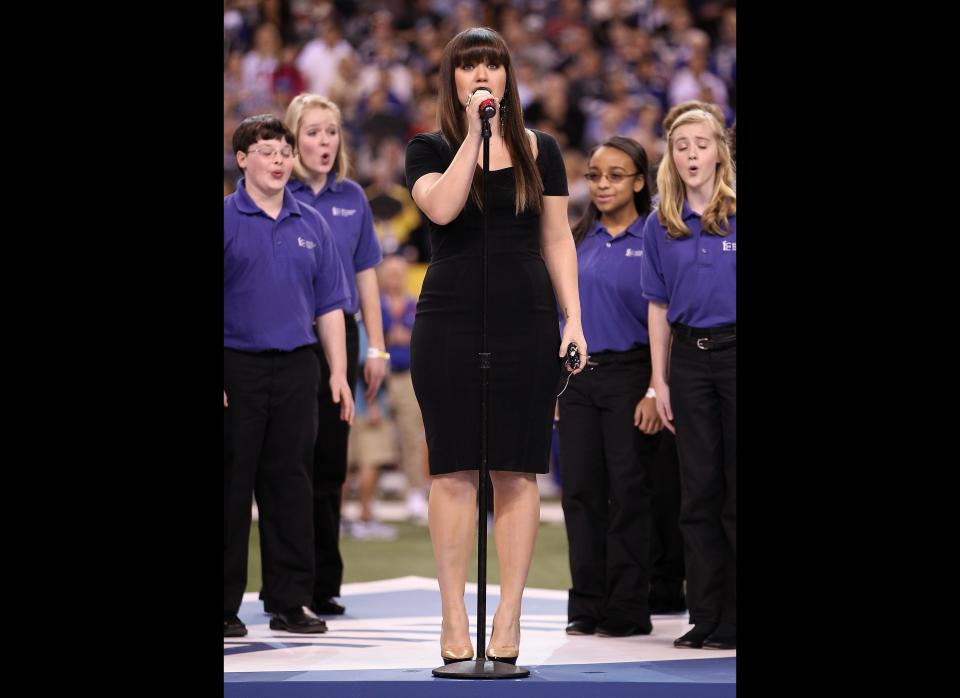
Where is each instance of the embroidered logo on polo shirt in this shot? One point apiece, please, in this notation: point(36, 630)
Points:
point(306, 243)
point(729, 247)
point(633, 253)
point(337, 211)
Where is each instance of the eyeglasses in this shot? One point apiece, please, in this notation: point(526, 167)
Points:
point(613, 177)
point(269, 153)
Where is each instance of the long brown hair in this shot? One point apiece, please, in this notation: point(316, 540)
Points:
point(473, 46)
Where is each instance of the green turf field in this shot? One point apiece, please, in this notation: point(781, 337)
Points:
point(411, 554)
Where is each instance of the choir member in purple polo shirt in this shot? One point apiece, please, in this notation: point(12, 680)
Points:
point(689, 277)
point(281, 271)
point(609, 426)
point(319, 180)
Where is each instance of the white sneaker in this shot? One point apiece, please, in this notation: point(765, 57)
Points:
point(416, 506)
point(373, 530)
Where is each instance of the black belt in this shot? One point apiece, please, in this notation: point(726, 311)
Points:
point(605, 358)
point(706, 338)
point(271, 352)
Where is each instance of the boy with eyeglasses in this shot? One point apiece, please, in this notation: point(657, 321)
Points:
point(281, 272)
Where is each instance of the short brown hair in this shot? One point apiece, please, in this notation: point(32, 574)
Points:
point(261, 127)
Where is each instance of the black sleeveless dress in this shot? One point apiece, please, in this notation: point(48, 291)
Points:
point(523, 335)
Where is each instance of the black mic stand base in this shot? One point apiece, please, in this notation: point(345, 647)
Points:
point(481, 669)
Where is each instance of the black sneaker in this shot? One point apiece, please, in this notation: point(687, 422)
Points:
point(232, 625)
point(295, 620)
point(694, 638)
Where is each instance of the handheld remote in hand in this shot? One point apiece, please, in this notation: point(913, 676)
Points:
point(573, 356)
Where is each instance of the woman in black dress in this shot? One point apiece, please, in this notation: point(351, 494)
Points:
point(532, 266)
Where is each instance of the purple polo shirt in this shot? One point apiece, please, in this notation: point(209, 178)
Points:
point(399, 353)
point(278, 275)
point(345, 208)
point(695, 276)
point(612, 306)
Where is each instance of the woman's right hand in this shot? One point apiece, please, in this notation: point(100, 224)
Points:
point(474, 122)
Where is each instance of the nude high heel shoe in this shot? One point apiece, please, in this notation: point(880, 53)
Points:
point(505, 653)
point(449, 655)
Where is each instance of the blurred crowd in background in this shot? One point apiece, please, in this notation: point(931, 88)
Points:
point(587, 70)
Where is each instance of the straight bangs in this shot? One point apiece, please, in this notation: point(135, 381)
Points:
point(480, 46)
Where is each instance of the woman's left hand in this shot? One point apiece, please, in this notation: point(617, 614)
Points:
point(573, 333)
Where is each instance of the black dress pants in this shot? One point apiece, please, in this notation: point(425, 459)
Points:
point(703, 393)
point(269, 430)
point(667, 572)
point(605, 462)
point(330, 472)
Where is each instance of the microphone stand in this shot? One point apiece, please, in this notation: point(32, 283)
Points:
point(481, 667)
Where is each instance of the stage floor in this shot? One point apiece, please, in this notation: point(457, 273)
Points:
point(388, 641)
